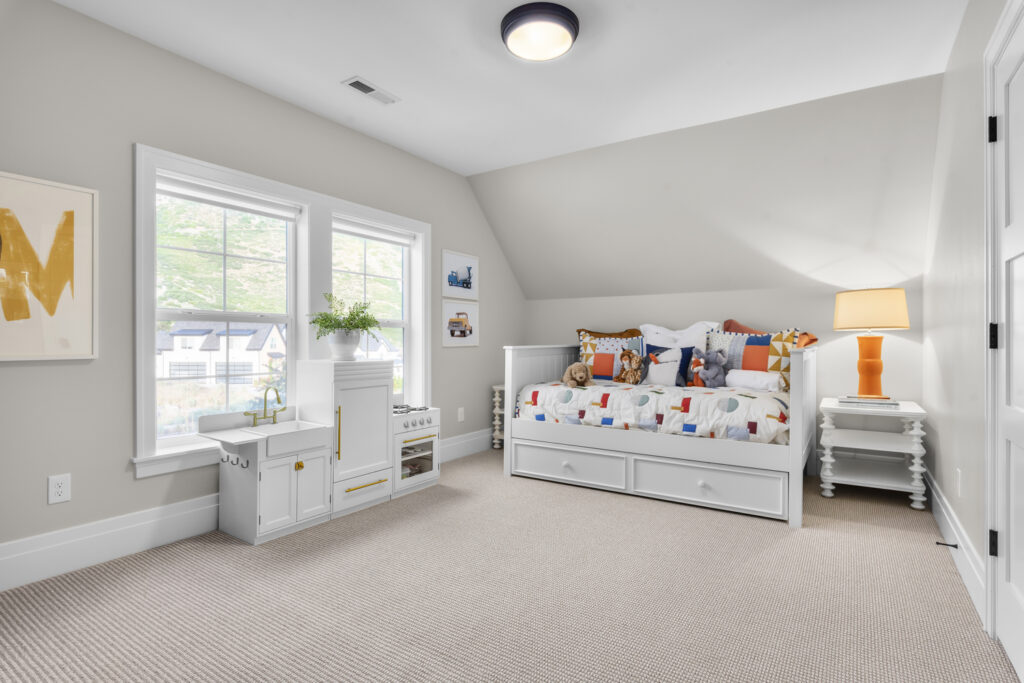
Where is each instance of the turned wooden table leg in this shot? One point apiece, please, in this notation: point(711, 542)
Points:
point(917, 496)
point(827, 487)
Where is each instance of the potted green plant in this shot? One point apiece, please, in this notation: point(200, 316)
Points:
point(343, 328)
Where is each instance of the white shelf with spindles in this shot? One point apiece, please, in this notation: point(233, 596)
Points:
point(870, 466)
point(498, 438)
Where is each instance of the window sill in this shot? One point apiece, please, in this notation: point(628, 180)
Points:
point(187, 456)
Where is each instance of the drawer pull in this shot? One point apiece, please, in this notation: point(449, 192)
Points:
point(420, 438)
point(566, 465)
point(299, 465)
point(701, 484)
point(373, 483)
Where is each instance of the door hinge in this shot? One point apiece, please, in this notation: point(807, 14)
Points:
point(261, 476)
point(993, 543)
point(993, 335)
point(992, 129)
point(259, 520)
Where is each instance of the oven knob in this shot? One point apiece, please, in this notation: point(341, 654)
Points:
point(429, 420)
point(421, 420)
point(405, 424)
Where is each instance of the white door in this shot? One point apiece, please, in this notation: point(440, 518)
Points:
point(1009, 243)
point(277, 494)
point(365, 442)
point(313, 491)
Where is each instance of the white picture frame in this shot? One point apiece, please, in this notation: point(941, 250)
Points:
point(48, 235)
point(454, 332)
point(460, 275)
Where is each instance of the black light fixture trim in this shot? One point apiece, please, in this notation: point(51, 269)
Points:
point(534, 11)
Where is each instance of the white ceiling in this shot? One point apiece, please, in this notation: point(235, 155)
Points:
point(639, 67)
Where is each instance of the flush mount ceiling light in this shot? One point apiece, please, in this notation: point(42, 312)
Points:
point(539, 31)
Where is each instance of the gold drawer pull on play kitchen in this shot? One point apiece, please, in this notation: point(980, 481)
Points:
point(299, 465)
point(372, 483)
point(339, 432)
point(420, 438)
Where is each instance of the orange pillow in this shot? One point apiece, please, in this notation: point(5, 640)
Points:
point(730, 325)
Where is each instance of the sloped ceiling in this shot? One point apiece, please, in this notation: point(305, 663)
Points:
point(639, 67)
point(836, 191)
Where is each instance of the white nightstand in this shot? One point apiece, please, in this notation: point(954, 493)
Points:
point(897, 474)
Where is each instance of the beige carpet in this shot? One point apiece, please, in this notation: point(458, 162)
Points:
point(486, 578)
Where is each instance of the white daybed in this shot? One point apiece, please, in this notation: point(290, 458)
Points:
point(753, 478)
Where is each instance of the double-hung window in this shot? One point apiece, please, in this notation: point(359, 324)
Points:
point(373, 265)
point(223, 261)
point(215, 301)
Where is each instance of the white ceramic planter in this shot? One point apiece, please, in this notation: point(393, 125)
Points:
point(344, 344)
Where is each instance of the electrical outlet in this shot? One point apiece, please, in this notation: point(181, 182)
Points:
point(59, 488)
point(957, 480)
point(462, 414)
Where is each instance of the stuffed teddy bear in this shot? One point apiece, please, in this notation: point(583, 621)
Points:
point(632, 368)
point(712, 372)
point(578, 375)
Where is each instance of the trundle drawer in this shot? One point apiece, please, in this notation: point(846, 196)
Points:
point(365, 489)
point(762, 492)
point(590, 467)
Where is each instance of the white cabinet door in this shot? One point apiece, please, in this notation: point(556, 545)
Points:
point(365, 439)
point(314, 484)
point(277, 494)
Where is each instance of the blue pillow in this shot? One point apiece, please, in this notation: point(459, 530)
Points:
point(684, 361)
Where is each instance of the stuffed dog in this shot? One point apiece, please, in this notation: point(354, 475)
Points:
point(632, 368)
point(578, 375)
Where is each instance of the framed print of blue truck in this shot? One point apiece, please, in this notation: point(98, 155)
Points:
point(461, 273)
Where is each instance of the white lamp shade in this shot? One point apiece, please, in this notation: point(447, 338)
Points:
point(872, 309)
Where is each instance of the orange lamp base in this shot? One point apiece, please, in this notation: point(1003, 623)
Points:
point(869, 367)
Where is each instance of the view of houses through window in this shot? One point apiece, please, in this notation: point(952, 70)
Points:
point(222, 310)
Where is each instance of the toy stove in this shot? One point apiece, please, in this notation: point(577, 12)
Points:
point(416, 431)
point(408, 418)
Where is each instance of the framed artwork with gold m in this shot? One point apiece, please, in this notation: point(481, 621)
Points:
point(47, 270)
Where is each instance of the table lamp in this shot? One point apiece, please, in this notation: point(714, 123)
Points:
point(871, 310)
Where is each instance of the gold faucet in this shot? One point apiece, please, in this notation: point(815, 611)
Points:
point(256, 417)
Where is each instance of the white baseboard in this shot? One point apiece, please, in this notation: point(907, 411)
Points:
point(39, 557)
point(466, 444)
point(967, 559)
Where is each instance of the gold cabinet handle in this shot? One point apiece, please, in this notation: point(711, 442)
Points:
point(420, 438)
point(299, 465)
point(339, 432)
point(373, 483)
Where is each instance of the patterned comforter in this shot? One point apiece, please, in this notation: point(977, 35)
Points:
point(722, 413)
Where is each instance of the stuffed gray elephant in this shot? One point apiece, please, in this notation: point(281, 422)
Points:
point(713, 371)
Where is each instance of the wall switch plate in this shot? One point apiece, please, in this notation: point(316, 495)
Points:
point(957, 479)
point(462, 415)
point(59, 488)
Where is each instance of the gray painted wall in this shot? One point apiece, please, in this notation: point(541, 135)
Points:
point(76, 95)
point(954, 278)
point(761, 219)
point(832, 192)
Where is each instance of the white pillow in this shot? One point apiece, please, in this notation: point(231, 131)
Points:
point(758, 380)
point(669, 355)
point(695, 335)
point(663, 373)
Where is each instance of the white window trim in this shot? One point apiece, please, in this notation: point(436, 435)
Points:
point(310, 260)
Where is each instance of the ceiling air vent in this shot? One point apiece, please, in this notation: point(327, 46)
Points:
point(370, 90)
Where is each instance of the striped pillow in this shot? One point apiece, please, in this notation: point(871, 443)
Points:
point(769, 352)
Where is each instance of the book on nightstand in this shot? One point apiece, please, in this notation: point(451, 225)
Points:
point(868, 402)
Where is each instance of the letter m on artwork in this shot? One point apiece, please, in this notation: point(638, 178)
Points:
point(22, 272)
